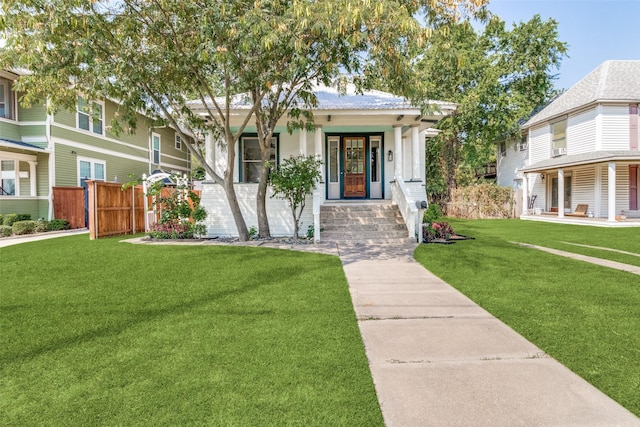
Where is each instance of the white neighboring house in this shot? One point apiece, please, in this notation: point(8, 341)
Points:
point(372, 146)
point(583, 147)
point(512, 155)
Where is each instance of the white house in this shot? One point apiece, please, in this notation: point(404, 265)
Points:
point(372, 146)
point(583, 147)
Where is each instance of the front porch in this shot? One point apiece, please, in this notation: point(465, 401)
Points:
point(594, 222)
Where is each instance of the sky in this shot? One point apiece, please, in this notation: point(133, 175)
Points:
point(595, 30)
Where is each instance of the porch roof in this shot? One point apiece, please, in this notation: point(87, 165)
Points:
point(20, 145)
point(582, 159)
point(348, 101)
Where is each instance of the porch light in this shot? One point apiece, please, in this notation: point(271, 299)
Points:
point(390, 156)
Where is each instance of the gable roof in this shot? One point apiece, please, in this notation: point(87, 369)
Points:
point(610, 81)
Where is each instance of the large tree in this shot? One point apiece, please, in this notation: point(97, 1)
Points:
point(153, 56)
point(497, 77)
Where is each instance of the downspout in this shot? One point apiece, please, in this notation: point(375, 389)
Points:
point(52, 159)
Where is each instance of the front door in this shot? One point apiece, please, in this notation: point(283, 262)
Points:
point(355, 171)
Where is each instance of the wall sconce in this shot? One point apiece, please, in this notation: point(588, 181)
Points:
point(390, 156)
point(542, 177)
point(74, 152)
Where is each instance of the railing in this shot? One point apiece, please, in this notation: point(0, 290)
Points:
point(408, 209)
point(317, 200)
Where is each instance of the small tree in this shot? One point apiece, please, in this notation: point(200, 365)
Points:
point(293, 181)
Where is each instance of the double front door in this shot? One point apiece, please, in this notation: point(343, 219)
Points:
point(354, 167)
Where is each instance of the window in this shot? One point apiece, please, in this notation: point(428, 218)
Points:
point(90, 116)
point(524, 144)
point(6, 100)
point(251, 161)
point(155, 152)
point(559, 138)
point(8, 178)
point(333, 160)
point(503, 149)
point(91, 169)
point(375, 160)
point(178, 142)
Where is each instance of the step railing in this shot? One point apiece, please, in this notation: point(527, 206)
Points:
point(408, 209)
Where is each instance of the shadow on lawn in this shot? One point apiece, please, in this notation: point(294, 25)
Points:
point(136, 318)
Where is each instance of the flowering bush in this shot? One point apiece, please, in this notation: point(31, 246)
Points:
point(437, 230)
point(172, 230)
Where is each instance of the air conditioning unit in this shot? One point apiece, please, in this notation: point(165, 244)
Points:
point(558, 152)
point(524, 146)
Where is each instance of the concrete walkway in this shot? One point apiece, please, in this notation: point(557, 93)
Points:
point(438, 359)
point(14, 240)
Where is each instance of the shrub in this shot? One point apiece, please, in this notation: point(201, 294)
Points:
point(42, 226)
point(9, 219)
point(172, 230)
point(1, 219)
point(23, 227)
point(58, 224)
point(24, 217)
point(5, 231)
point(432, 214)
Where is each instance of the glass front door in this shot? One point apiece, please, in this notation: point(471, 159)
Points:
point(355, 169)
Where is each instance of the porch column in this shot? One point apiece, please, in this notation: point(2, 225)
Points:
point(33, 188)
point(397, 161)
point(210, 148)
point(560, 193)
point(415, 153)
point(303, 142)
point(525, 193)
point(318, 148)
point(611, 214)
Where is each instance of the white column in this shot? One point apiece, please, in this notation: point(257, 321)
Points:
point(611, 216)
point(210, 149)
point(415, 153)
point(303, 142)
point(525, 193)
point(397, 138)
point(32, 179)
point(318, 148)
point(560, 193)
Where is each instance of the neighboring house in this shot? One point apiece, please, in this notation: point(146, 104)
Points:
point(511, 156)
point(39, 151)
point(372, 146)
point(583, 147)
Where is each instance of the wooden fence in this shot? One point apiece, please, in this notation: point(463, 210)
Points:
point(114, 211)
point(68, 203)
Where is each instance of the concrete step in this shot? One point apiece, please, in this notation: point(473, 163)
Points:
point(363, 234)
point(351, 226)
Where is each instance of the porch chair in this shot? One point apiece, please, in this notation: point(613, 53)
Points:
point(532, 201)
point(581, 210)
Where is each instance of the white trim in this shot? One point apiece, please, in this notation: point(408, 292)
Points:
point(95, 149)
point(177, 142)
point(23, 197)
point(17, 123)
point(34, 139)
point(8, 155)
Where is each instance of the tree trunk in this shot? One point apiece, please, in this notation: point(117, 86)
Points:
point(261, 200)
point(241, 225)
point(296, 222)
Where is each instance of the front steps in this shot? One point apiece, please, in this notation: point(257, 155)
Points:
point(362, 223)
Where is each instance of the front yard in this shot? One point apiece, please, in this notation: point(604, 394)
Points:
point(585, 316)
point(108, 333)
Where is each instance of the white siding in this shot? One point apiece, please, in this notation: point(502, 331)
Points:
point(537, 188)
point(509, 165)
point(622, 187)
point(615, 127)
point(583, 188)
point(539, 144)
point(220, 222)
point(581, 132)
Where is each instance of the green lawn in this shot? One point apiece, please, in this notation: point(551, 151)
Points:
point(585, 316)
point(108, 333)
